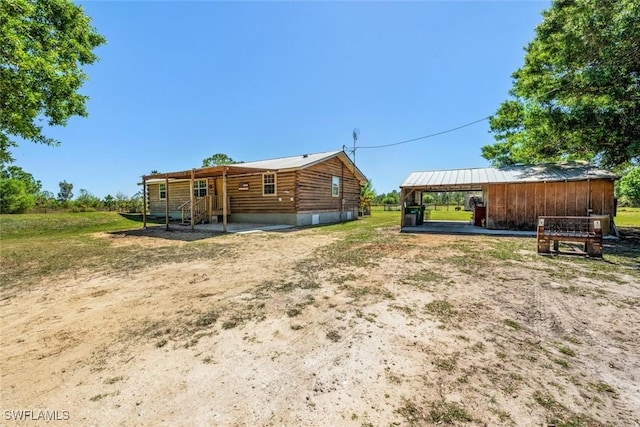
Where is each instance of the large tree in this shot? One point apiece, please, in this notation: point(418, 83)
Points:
point(86, 200)
point(628, 188)
point(218, 159)
point(14, 197)
point(44, 45)
point(31, 185)
point(578, 94)
point(19, 191)
point(66, 191)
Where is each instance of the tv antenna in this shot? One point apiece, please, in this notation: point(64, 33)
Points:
point(355, 135)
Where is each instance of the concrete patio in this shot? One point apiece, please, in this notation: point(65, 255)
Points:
point(462, 227)
point(236, 227)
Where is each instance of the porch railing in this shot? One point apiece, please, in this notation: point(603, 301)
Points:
point(215, 204)
point(203, 208)
point(199, 210)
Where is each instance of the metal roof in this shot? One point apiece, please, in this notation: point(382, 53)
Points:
point(293, 162)
point(474, 178)
point(303, 161)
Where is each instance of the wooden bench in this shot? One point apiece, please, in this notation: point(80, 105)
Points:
point(583, 229)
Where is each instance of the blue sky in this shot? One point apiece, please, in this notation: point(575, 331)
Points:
point(180, 81)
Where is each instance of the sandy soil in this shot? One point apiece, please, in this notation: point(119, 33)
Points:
point(275, 334)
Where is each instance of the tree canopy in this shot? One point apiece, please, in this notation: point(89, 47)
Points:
point(18, 190)
point(218, 159)
point(44, 45)
point(577, 96)
point(628, 188)
point(367, 194)
point(66, 191)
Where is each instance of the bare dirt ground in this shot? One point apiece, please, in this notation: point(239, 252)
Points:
point(301, 328)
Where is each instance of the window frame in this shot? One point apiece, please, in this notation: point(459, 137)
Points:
point(160, 191)
point(197, 187)
point(265, 184)
point(335, 185)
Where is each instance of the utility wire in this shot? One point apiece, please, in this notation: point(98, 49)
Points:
point(427, 136)
point(444, 131)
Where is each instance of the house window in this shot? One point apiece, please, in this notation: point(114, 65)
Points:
point(268, 184)
point(335, 186)
point(200, 187)
point(162, 191)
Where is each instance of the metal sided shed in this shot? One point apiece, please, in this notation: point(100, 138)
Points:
point(515, 196)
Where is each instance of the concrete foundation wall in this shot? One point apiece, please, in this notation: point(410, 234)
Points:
point(172, 214)
point(298, 219)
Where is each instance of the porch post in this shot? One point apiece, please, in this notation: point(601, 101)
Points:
point(144, 202)
point(191, 200)
point(224, 199)
point(402, 196)
point(166, 201)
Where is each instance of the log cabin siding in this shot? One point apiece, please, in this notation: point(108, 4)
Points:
point(314, 187)
point(178, 194)
point(517, 206)
point(303, 195)
point(253, 201)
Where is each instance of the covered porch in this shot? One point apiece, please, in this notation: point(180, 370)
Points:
point(201, 204)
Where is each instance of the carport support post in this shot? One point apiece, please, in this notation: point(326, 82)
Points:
point(166, 202)
point(144, 202)
point(191, 199)
point(224, 199)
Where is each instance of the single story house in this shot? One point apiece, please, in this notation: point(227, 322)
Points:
point(299, 190)
point(513, 197)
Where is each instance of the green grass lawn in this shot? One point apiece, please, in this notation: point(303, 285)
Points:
point(440, 214)
point(450, 215)
point(63, 224)
point(628, 217)
point(34, 246)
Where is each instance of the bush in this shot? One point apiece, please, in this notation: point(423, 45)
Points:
point(83, 209)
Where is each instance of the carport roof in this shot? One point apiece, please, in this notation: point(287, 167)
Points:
point(474, 178)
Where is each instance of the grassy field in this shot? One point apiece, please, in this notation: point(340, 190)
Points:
point(627, 217)
point(450, 215)
point(40, 245)
point(63, 242)
point(56, 225)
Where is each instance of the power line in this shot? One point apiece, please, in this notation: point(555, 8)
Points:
point(427, 136)
point(445, 131)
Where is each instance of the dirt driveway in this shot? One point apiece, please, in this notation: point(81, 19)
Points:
point(313, 328)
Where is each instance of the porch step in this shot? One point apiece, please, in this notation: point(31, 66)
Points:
point(198, 219)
